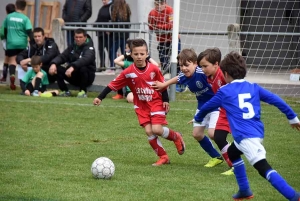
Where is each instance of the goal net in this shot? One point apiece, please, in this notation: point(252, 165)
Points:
point(265, 32)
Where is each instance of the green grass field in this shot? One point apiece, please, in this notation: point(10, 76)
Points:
point(47, 147)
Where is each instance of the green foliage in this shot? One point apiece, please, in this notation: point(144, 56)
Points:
point(47, 147)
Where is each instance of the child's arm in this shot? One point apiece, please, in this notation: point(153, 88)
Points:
point(120, 60)
point(157, 85)
point(153, 61)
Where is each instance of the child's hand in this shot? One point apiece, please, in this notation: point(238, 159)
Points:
point(297, 126)
point(166, 105)
point(97, 101)
point(190, 122)
point(157, 85)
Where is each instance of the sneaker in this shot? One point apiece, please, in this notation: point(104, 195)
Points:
point(46, 94)
point(243, 195)
point(179, 143)
point(35, 93)
point(3, 79)
point(12, 83)
point(65, 94)
point(163, 160)
point(81, 94)
point(228, 172)
point(214, 162)
point(296, 197)
point(117, 97)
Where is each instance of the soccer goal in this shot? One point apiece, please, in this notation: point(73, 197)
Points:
point(265, 32)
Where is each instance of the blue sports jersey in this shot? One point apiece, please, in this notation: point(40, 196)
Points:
point(241, 100)
point(198, 85)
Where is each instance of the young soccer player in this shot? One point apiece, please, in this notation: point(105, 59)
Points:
point(125, 61)
point(17, 29)
point(192, 76)
point(241, 100)
point(36, 80)
point(209, 61)
point(150, 105)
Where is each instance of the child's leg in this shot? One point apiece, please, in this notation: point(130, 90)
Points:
point(266, 171)
point(240, 172)
point(36, 81)
point(12, 71)
point(129, 97)
point(204, 141)
point(220, 139)
point(171, 135)
point(156, 146)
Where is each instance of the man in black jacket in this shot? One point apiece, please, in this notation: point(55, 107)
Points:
point(42, 46)
point(80, 66)
point(76, 11)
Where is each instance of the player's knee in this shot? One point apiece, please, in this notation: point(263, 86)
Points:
point(233, 153)
point(262, 167)
point(198, 135)
point(39, 75)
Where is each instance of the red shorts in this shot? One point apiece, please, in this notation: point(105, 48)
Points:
point(147, 117)
point(222, 123)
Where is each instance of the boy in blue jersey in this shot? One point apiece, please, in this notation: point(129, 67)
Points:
point(241, 100)
point(192, 76)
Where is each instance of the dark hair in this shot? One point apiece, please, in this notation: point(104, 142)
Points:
point(159, 1)
point(128, 42)
point(10, 8)
point(212, 55)
point(36, 60)
point(138, 43)
point(81, 31)
point(187, 55)
point(120, 11)
point(21, 4)
point(234, 65)
point(39, 29)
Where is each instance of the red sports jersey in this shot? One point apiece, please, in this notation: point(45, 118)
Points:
point(216, 82)
point(161, 20)
point(147, 101)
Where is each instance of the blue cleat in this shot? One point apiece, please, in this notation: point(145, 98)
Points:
point(296, 197)
point(243, 195)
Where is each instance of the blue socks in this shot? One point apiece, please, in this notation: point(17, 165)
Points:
point(206, 144)
point(240, 174)
point(280, 184)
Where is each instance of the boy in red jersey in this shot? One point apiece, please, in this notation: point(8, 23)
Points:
point(150, 105)
point(209, 61)
point(161, 19)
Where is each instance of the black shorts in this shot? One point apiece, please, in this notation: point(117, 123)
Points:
point(13, 52)
point(30, 87)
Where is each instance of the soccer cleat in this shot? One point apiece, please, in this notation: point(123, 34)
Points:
point(243, 195)
point(214, 162)
point(163, 160)
point(81, 94)
point(35, 93)
point(65, 94)
point(296, 197)
point(117, 97)
point(12, 82)
point(46, 94)
point(179, 143)
point(228, 172)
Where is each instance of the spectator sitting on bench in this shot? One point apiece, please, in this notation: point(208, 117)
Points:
point(80, 66)
point(42, 46)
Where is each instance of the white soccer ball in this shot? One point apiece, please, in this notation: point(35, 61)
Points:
point(103, 168)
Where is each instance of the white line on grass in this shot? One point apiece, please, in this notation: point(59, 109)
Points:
point(79, 104)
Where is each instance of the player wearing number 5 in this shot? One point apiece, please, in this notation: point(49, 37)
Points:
point(241, 100)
